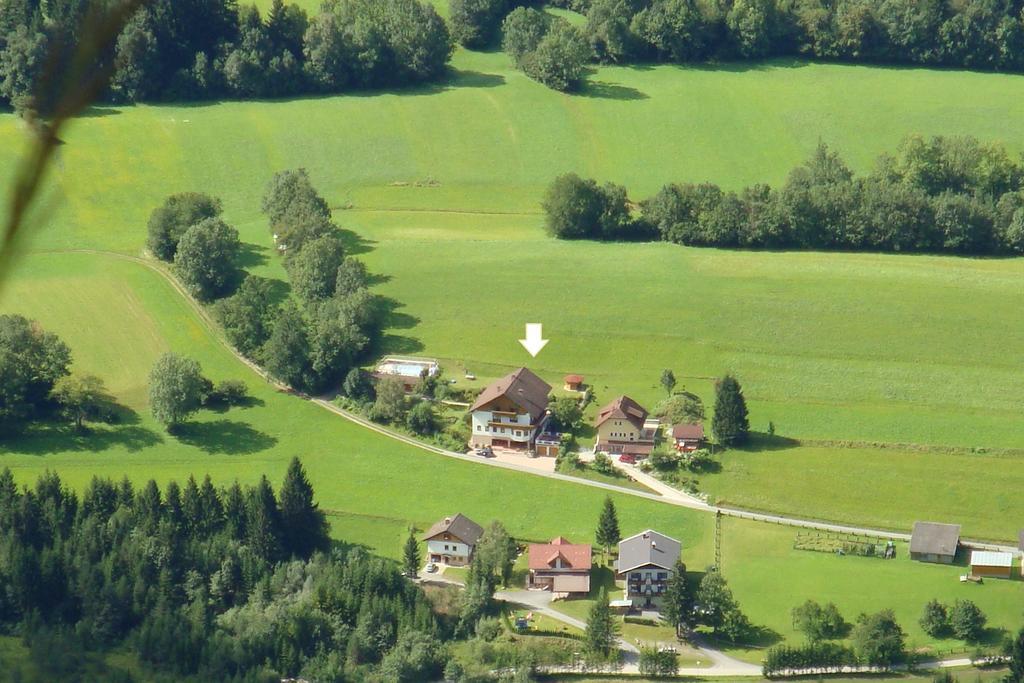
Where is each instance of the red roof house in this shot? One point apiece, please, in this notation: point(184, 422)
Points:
point(560, 566)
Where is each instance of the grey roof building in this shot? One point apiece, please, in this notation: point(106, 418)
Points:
point(934, 542)
point(459, 527)
point(648, 549)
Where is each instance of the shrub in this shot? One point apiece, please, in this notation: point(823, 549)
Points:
point(603, 464)
point(935, 619)
point(966, 620)
point(230, 392)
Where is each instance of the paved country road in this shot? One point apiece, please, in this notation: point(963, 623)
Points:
point(667, 495)
point(723, 664)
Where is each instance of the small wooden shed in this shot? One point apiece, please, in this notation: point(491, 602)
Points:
point(574, 382)
point(998, 565)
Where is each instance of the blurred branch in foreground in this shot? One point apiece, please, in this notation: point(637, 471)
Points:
point(75, 75)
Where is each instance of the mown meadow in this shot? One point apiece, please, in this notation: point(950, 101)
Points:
point(439, 189)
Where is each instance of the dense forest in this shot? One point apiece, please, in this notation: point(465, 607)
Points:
point(204, 583)
point(953, 195)
point(200, 49)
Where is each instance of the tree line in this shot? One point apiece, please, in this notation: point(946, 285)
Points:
point(986, 35)
point(940, 194)
point(202, 49)
point(311, 340)
point(204, 583)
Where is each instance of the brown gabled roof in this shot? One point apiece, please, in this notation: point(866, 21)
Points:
point(623, 408)
point(685, 431)
point(459, 526)
point(574, 379)
point(522, 387)
point(932, 538)
point(574, 555)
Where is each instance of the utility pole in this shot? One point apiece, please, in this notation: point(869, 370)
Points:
point(718, 540)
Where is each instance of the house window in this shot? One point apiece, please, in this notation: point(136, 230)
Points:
point(662, 576)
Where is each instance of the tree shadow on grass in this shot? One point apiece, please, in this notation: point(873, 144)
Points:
point(95, 112)
point(354, 243)
point(760, 442)
point(224, 437)
point(221, 407)
point(251, 255)
point(49, 438)
point(611, 91)
point(399, 345)
point(461, 78)
point(393, 318)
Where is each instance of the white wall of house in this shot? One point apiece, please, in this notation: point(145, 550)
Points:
point(482, 426)
point(453, 548)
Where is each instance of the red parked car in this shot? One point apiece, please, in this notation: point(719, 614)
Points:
point(627, 458)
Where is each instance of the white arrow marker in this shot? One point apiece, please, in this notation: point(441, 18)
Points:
point(534, 341)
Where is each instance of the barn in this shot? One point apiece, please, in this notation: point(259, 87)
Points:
point(986, 563)
point(934, 542)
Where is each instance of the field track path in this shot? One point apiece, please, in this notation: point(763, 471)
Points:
point(668, 496)
point(723, 665)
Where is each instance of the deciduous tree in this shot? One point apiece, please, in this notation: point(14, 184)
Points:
point(178, 213)
point(205, 258)
point(175, 388)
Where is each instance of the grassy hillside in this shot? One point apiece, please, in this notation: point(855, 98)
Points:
point(863, 348)
point(118, 316)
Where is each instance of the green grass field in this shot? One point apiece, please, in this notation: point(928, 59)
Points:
point(864, 348)
point(868, 348)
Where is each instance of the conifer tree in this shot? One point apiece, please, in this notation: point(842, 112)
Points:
point(303, 524)
point(234, 511)
point(262, 521)
point(192, 507)
point(608, 533)
point(677, 606)
point(411, 555)
point(212, 509)
point(602, 631)
point(730, 424)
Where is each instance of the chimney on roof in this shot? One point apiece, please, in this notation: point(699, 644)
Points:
point(447, 520)
point(654, 544)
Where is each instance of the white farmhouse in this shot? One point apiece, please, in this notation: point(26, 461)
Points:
point(452, 540)
point(511, 412)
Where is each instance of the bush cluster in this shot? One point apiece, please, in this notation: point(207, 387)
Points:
point(548, 49)
point(952, 195)
point(173, 50)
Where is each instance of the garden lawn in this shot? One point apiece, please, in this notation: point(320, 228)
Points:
point(118, 316)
